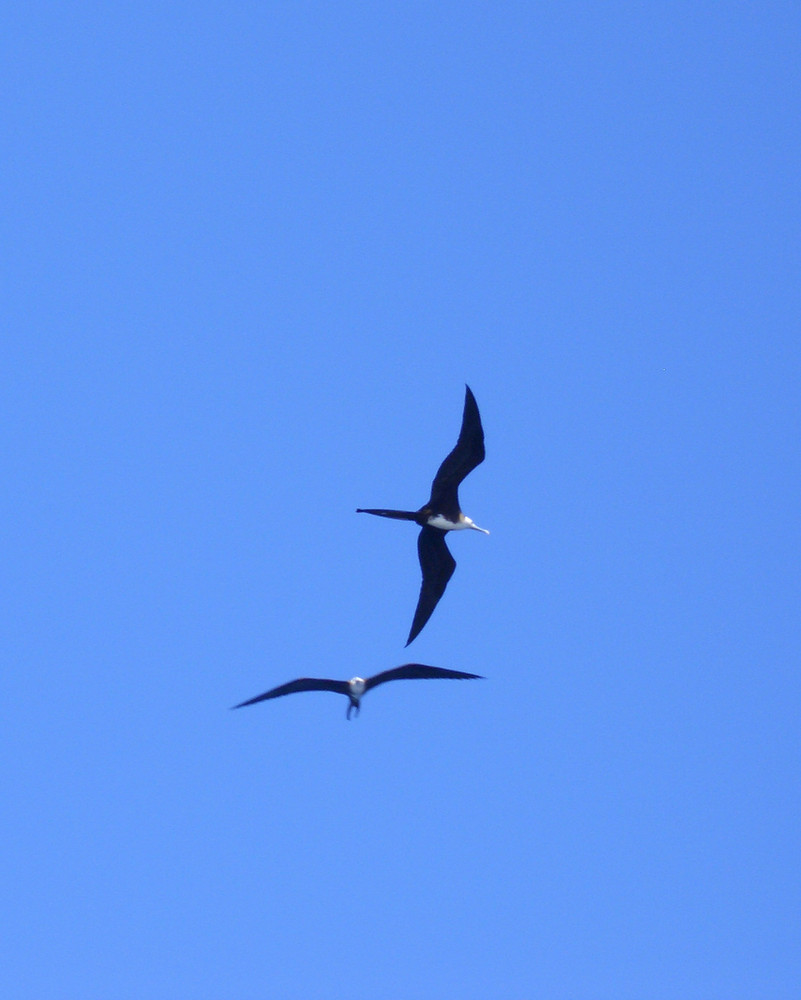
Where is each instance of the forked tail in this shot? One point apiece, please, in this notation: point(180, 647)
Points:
point(399, 515)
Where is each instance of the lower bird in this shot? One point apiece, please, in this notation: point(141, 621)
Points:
point(357, 687)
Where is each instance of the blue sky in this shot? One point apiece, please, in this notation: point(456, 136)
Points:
point(253, 253)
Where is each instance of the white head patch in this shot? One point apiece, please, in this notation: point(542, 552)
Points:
point(357, 686)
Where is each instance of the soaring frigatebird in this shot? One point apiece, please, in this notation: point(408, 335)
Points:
point(442, 513)
point(357, 687)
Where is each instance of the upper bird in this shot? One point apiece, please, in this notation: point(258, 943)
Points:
point(357, 687)
point(442, 513)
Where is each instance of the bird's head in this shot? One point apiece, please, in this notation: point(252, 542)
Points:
point(469, 523)
point(356, 685)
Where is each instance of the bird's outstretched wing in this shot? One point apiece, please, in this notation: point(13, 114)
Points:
point(437, 565)
point(417, 671)
point(467, 454)
point(301, 684)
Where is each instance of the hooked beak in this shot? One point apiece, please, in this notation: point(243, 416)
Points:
point(476, 528)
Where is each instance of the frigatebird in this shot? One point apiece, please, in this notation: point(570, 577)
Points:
point(357, 687)
point(442, 513)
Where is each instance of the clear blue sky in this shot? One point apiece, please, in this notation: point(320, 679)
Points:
point(252, 253)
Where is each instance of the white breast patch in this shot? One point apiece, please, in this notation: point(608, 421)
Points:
point(438, 521)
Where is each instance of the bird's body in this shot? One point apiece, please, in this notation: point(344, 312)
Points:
point(442, 513)
point(445, 524)
point(357, 687)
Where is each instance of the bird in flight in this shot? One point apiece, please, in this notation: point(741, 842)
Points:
point(357, 687)
point(442, 513)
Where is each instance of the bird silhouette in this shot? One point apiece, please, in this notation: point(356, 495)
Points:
point(357, 687)
point(442, 513)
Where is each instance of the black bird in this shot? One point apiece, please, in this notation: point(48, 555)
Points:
point(442, 513)
point(357, 687)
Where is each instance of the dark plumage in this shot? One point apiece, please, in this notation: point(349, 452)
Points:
point(442, 513)
point(357, 687)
